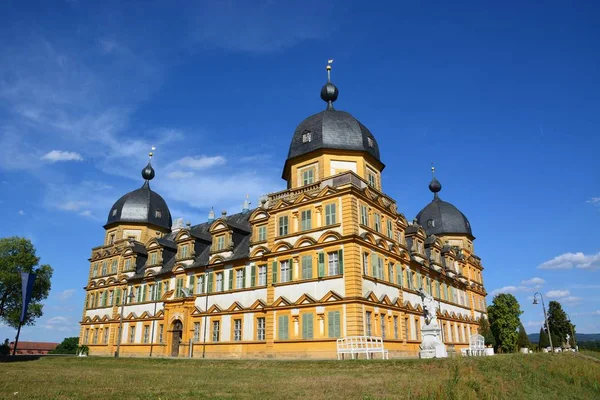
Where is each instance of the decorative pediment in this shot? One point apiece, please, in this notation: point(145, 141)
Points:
point(282, 246)
point(331, 296)
point(101, 282)
point(408, 305)
point(160, 314)
point(148, 274)
point(305, 299)
point(282, 301)
point(87, 319)
point(258, 304)
point(216, 259)
point(214, 309)
point(304, 241)
point(182, 235)
point(259, 251)
point(258, 214)
point(368, 237)
point(197, 311)
point(281, 204)
point(131, 315)
point(327, 191)
point(236, 306)
point(384, 299)
point(179, 268)
point(329, 236)
point(302, 198)
point(105, 318)
point(152, 244)
point(370, 296)
point(167, 294)
point(145, 315)
point(382, 244)
point(396, 302)
point(218, 225)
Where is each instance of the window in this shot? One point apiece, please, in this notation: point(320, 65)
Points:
point(307, 326)
point(334, 264)
point(307, 272)
point(200, 284)
point(178, 287)
point(86, 336)
point(382, 317)
point(106, 331)
point(132, 334)
point(364, 216)
point(95, 270)
point(153, 259)
point(330, 214)
point(438, 291)
point(104, 271)
point(160, 333)
point(262, 233)
point(283, 226)
point(260, 329)
point(196, 331)
point(391, 272)
point(306, 137)
point(370, 141)
point(215, 331)
point(114, 212)
point(239, 279)
point(409, 279)
point(157, 214)
point(377, 222)
point(390, 230)
point(372, 179)
point(306, 220)
point(282, 328)
point(237, 330)
point(368, 323)
point(220, 242)
point(333, 324)
point(430, 223)
point(95, 339)
point(406, 328)
point(113, 267)
point(111, 238)
point(286, 271)
point(366, 263)
point(146, 333)
point(184, 251)
point(219, 282)
point(308, 176)
point(128, 264)
point(104, 298)
point(395, 327)
point(111, 298)
point(262, 275)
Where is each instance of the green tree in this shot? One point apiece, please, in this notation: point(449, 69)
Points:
point(18, 254)
point(544, 341)
point(523, 340)
point(560, 326)
point(67, 346)
point(486, 332)
point(504, 320)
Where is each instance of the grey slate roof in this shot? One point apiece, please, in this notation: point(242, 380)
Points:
point(440, 217)
point(140, 206)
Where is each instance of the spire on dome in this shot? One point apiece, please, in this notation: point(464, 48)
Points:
point(246, 205)
point(148, 171)
point(435, 186)
point(329, 93)
point(211, 215)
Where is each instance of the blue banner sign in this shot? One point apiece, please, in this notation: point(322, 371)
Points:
point(27, 280)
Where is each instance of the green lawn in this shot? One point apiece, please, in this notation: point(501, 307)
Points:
point(534, 376)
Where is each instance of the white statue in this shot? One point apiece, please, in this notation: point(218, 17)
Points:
point(428, 308)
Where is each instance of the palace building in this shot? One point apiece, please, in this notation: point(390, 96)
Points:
point(331, 256)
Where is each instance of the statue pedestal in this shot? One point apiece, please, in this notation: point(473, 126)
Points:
point(432, 346)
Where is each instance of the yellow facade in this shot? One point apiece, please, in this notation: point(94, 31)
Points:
point(328, 257)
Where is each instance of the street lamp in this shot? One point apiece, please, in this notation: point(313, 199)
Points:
point(155, 296)
point(535, 301)
point(130, 296)
point(572, 332)
point(206, 275)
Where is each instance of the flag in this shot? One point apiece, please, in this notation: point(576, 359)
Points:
point(27, 280)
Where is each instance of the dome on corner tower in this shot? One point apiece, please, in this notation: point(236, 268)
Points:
point(142, 206)
point(440, 217)
point(333, 130)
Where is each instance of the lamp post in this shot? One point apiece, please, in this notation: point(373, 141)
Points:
point(572, 332)
point(130, 296)
point(535, 301)
point(207, 275)
point(155, 295)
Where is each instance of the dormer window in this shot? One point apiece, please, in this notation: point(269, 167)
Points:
point(220, 242)
point(111, 238)
point(430, 223)
point(370, 141)
point(184, 251)
point(157, 214)
point(153, 259)
point(114, 212)
point(306, 137)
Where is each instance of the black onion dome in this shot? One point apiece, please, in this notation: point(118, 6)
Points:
point(440, 217)
point(141, 206)
point(332, 129)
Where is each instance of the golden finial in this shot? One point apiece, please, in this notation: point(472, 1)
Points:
point(151, 152)
point(329, 62)
point(432, 170)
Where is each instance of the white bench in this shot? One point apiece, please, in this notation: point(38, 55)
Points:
point(355, 345)
point(476, 346)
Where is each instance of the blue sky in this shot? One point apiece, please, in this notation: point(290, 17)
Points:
point(503, 98)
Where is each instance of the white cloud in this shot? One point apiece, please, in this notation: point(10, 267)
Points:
point(21, 212)
point(557, 294)
point(533, 281)
point(59, 155)
point(572, 300)
point(571, 260)
point(592, 313)
point(86, 213)
point(594, 201)
point(73, 205)
point(57, 321)
point(65, 295)
point(200, 162)
point(505, 289)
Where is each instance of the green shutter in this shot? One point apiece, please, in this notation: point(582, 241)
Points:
point(282, 328)
point(330, 324)
point(321, 264)
point(159, 293)
point(374, 265)
point(307, 326)
point(274, 264)
point(243, 278)
point(337, 324)
point(144, 293)
point(399, 275)
point(231, 271)
point(341, 261)
point(209, 282)
point(253, 276)
point(192, 281)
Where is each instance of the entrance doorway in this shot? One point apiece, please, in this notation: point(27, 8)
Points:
point(177, 335)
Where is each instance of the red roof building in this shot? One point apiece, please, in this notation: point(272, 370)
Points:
point(33, 347)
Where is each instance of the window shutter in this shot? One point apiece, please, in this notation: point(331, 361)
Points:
point(231, 271)
point(274, 271)
point(159, 294)
point(144, 294)
point(209, 282)
point(341, 261)
point(291, 269)
point(243, 278)
point(253, 276)
point(321, 264)
point(192, 280)
point(374, 265)
point(330, 324)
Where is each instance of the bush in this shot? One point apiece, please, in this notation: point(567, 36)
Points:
point(68, 346)
point(5, 348)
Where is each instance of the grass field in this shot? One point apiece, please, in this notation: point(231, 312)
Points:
point(534, 376)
